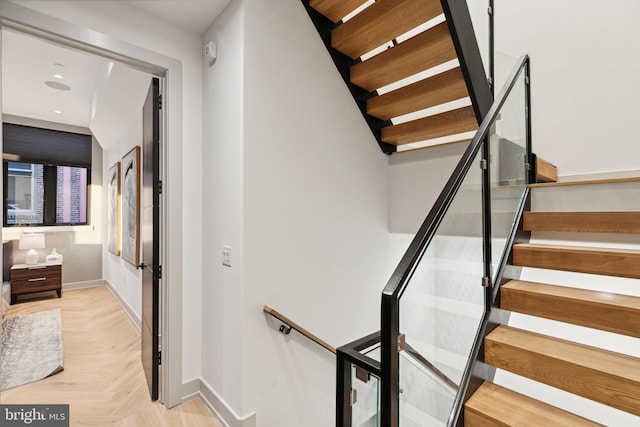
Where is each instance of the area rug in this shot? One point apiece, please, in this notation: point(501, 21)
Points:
point(31, 348)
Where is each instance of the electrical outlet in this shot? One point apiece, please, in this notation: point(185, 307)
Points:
point(226, 256)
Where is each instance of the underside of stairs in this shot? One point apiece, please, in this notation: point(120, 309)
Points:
point(412, 66)
point(584, 369)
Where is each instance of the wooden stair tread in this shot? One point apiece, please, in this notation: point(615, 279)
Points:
point(600, 375)
point(585, 222)
point(448, 123)
point(492, 405)
point(593, 309)
point(419, 53)
point(605, 261)
point(380, 23)
point(335, 10)
point(545, 171)
point(586, 182)
point(439, 89)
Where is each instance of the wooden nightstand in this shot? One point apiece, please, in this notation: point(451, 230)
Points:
point(27, 279)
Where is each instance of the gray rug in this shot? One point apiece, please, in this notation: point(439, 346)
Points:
point(31, 348)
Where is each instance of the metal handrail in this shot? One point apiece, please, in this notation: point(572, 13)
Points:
point(398, 279)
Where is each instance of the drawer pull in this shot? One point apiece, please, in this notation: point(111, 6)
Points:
point(39, 279)
point(38, 268)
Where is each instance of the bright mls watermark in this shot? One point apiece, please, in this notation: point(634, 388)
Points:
point(34, 415)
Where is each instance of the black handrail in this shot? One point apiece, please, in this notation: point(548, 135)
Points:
point(396, 285)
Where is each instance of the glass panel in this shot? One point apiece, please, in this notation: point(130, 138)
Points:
point(71, 195)
point(424, 399)
point(508, 143)
point(443, 303)
point(480, 20)
point(365, 412)
point(503, 67)
point(25, 191)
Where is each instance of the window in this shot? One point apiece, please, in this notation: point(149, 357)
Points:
point(47, 184)
point(38, 194)
point(24, 193)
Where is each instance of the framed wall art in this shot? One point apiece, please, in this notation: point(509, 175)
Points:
point(113, 206)
point(131, 206)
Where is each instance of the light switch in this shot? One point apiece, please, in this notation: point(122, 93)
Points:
point(226, 256)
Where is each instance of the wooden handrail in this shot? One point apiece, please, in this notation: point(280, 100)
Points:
point(298, 328)
point(586, 182)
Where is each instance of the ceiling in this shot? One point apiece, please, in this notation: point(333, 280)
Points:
point(101, 94)
point(44, 81)
point(192, 15)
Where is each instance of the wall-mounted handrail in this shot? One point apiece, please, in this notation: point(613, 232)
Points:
point(293, 325)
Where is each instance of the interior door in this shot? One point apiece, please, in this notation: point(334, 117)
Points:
point(150, 232)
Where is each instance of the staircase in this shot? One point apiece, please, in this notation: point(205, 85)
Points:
point(417, 79)
point(414, 69)
point(600, 375)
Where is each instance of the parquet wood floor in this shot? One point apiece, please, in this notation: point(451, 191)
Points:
point(103, 381)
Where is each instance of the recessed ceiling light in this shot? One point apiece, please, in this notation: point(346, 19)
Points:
point(57, 111)
point(58, 76)
point(59, 65)
point(57, 85)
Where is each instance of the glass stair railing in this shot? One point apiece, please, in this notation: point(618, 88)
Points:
point(439, 298)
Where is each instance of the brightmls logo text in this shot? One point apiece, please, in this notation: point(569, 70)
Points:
point(35, 415)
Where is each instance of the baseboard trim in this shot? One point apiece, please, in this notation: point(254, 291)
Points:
point(137, 322)
point(216, 404)
point(82, 285)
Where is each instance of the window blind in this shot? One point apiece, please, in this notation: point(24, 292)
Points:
point(50, 147)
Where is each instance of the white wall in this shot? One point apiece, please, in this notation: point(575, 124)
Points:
point(125, 279)
point(416, 179)
point(139, 30)
point(583, 73)
point(298, 188)
point(222, 157)
point(315, 215)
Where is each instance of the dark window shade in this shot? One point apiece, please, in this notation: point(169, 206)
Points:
point(49, 147)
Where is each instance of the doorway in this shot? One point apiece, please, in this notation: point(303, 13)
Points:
point(169, 71)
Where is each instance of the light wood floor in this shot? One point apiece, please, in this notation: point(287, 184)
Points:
point(102, 381)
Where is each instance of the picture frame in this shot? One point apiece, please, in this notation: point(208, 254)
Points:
point(113, 209)
point(131, 206)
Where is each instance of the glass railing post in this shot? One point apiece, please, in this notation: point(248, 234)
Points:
point(527, 83)
point(492, 77)
point(486, 223)
point(389, 388)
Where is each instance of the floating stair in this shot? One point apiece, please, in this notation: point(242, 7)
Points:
point(439, 89)
point(594, 373)
point(600, 375)
point(492, 405)
point(545, 171)
point(402, 56)
point(419, 53)
point(381, 22)
point(599, 310)
point(611, 262)
point(584, 222)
